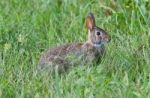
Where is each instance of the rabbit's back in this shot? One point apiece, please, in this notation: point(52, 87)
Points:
point(60, 51)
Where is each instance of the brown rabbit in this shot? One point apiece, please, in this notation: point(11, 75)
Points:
point(64, 56)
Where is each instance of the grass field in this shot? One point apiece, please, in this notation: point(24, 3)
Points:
point(28, 27)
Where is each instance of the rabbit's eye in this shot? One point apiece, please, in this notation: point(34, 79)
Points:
point(98, 33)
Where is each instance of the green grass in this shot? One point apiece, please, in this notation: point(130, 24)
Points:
point(28, 27)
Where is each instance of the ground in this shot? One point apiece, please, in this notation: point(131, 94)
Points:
point(29, 27)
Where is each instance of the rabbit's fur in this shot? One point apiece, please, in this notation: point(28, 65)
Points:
point(64, 56)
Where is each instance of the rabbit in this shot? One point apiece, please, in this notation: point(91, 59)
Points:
point(64, 56)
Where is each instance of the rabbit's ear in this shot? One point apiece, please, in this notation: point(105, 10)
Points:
point(90, 21)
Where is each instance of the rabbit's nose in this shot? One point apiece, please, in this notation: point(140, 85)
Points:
point(107, 38)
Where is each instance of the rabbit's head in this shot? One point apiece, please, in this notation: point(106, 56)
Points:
point(96, 36)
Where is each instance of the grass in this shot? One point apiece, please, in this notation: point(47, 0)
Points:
point(28, 27)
